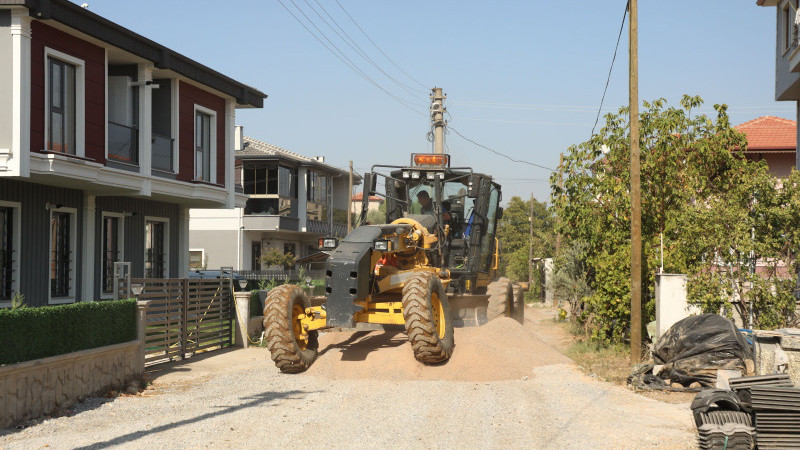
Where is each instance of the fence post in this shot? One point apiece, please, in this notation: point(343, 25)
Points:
point(242, 300)
point(141, 334)
point(184, 321)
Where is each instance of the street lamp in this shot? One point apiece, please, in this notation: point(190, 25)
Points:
point(137, 288)
point(242, 283)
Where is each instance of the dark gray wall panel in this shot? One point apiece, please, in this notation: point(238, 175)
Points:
point(35, 238)
point(137, 209)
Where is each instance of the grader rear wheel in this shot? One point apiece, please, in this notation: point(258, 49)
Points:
point(292, 350)
point(427, 318)
point(518, 310)
point(501, 299)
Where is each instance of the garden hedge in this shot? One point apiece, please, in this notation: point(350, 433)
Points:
point(33, 333)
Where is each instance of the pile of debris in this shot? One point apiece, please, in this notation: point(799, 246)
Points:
point(759, 410)
point(692, 353)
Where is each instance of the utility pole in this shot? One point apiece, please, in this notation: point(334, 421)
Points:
point(530, 250)
point(636, 205)
point(560, 186)
point(437, 119)
point(350, 201)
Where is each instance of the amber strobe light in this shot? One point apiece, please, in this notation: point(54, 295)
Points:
point(428, 159)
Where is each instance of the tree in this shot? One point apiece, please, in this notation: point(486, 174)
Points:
point(513, 231)
point(714, 208)
point(274, 257)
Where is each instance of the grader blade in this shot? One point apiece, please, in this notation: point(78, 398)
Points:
point(468, 310)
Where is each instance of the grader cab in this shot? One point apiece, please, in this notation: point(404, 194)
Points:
point(430, 267)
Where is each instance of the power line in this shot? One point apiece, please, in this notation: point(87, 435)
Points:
point(525, 121)
point(378, 48)
point(357, 48)
point(608, 80)
point(342, 57)
point(498, 153)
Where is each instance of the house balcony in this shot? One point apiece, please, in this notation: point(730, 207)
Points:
point(162, 153)
point(270, 223)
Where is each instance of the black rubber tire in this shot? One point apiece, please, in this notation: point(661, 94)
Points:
point(501, 299)
point(278, 330)
point(518, 308)
point(426, 343)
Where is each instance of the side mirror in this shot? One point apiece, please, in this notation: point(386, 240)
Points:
point(499, 213)
point(473, 186)
point(370, 183)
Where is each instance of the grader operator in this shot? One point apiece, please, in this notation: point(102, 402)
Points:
point(429, 267)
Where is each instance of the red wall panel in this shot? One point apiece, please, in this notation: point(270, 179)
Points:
point(190, 96)
point(95, 77)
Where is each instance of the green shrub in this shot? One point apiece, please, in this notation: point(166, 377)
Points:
point(33, 333)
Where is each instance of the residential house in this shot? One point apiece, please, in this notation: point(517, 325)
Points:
point(787, 57)
point(373, 204)
point(773, 140)
point(292, 201)
point(106, 140)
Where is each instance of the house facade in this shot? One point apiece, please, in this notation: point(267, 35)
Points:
point(772, 140)
point(787, 53)
point(292, 201)
point(106, 140)
point(373, 203)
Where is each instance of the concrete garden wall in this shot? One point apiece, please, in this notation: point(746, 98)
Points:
point(33, 388)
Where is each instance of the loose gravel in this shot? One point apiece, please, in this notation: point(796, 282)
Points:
point(507, 385)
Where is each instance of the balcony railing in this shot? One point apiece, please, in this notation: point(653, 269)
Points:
point(123, 143)
point(324, 228)
point(162, 153)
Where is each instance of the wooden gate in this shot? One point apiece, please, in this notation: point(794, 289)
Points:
point(185, 316)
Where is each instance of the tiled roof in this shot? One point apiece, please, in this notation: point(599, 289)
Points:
point(253, 148)
point(770, 133)
point(372, 198)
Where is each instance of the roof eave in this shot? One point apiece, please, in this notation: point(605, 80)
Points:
point(99, 27)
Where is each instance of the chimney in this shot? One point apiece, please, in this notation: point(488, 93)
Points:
point(238, 137)
point(320, 159)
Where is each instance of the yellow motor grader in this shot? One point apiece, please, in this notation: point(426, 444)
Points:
point(430, 267)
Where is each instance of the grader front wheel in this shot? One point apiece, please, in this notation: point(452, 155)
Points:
point(427, 318)
point(292, 349)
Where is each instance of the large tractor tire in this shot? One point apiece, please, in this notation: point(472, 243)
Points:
point(518, 309)
point(426, 311)
point(291, 351)
point(501, 299)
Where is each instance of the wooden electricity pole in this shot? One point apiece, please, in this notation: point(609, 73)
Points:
point(636, 205)
point(530, 250)
point(350, 201)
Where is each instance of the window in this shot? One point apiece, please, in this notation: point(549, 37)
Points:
point(256, 255)
point(7, 231)
point(62, 252)
point(789, 27)
point(290, 248)
point(272, 189)
point(123, 119)
point(112, 249)
point(61, 107)
point(202, 144)
point(317, 196)
point(196, 259)
point(155, 247)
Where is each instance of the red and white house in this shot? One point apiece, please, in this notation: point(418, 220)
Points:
point(106, 140)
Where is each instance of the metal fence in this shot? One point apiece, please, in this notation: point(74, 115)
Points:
point(185, 316)
point(280, 275)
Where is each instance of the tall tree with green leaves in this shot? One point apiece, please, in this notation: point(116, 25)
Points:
point(514, 233)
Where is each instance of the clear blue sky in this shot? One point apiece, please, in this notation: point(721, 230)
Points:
point(552, 54)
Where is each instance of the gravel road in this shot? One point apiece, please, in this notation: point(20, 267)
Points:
point(505, 386)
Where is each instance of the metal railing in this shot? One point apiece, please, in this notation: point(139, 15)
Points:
point(123, 143)
point(162, 152)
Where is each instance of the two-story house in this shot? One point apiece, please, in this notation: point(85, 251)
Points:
point(106, 140)
point(787, 55)
point(292, 201)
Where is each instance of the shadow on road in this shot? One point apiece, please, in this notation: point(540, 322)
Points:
point(255, 400)
point(362, 343)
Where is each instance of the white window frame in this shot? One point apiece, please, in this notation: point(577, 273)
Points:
point(73, 244)
point(16, 240)
point(165, 221)
point(80, 98)
point(202, 255)
point(120, 246)
point(212, 143)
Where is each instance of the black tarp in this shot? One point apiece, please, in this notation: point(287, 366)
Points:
point(696, 347)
